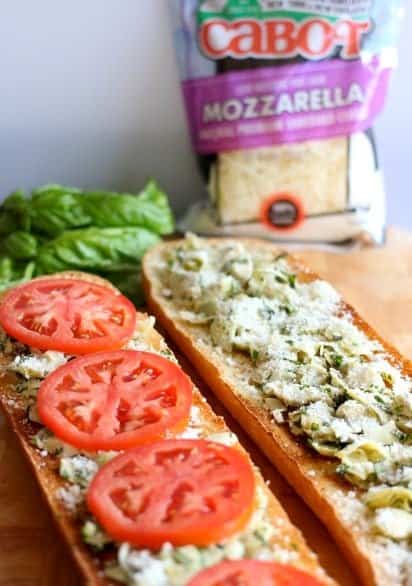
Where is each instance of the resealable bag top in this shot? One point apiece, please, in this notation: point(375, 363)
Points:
point(281, 96)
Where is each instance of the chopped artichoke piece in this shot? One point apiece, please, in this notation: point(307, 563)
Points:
point(94, 536)
point(115, 572)
point(326, 448)
point(393, 523)
point(195, 318)
point(397, 497)
point(358, 460)
point(45, 440)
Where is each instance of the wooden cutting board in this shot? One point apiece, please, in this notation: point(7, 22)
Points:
point(378, 282)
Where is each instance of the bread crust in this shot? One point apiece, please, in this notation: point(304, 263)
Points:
point(45, 468)
point(311, 475)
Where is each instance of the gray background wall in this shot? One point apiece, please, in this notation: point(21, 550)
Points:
point(89, 97)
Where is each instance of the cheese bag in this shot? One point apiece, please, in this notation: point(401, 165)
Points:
point(281, 96)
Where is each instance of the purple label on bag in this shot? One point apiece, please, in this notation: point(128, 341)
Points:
point(275, 105)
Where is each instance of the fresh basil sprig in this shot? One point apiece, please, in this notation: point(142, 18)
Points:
point(59, 228)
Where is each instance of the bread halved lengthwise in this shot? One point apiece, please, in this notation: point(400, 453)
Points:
point(336, 502)
point(89, 562)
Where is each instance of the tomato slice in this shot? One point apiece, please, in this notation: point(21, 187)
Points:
point(253, 573)
point(178, 491)
point(69, 315)
point(114, 400)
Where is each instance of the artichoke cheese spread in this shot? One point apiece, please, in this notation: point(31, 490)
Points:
point(315, 370)
point(170, 566)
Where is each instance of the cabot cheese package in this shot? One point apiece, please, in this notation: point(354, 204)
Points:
point(281, 97)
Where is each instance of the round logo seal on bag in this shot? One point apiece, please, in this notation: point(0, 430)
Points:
point(282, 211)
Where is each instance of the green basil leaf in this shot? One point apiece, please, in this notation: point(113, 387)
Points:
point(55, 209)
point(14, 213)
point(150, 209)
point(20, 245)
point(6, 268)
point(96, 250)
point(13, 274)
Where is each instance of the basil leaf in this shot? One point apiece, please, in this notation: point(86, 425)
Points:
point(150, 209)
point(55, 208)
point(14, 213)
point(20, 245)
point(96, 250)
point(13, 274)
point(6, 269)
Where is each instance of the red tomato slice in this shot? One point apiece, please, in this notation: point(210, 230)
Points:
point(114, 400)
point(177, 491)
point(69, 315)
point(253, 573)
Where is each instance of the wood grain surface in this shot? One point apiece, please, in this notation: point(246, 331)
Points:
point(377, 282)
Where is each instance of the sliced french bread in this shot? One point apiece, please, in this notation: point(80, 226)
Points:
point(176, 285)
point(68, 506)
